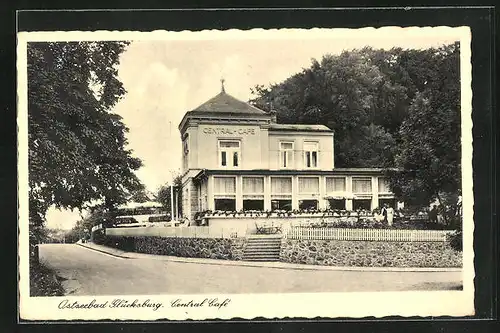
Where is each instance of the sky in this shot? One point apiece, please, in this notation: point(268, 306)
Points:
point(166, 78)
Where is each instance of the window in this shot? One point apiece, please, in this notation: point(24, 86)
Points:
point(311, 154)
point(286, 154)
point(229, 153)
point(309, 185)
point(337, 203)
point(225, 193)
point(253, 204)
point(335, 184)
point(253, 193)
point(362, 204)
point(224, 185)
point(185, 151)
point(253, 185)
point(225, 204)
point(283, 204)
point(383, 185)
point(281, 185)
point(308, 204)
point(362, 185)
point(185, 146)
point(281, 193)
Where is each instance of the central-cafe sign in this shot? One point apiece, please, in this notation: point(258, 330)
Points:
point(228, 131)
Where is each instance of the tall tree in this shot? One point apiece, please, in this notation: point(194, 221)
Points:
point(77, 145)
point(363, 95)
point(429, 155)
point(345, 92)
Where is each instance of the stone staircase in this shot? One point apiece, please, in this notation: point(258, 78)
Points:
point(262, 248)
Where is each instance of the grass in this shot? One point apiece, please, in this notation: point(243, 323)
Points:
point(44, 282)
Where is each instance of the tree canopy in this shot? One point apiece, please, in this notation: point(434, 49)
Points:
point(429, 154)
point(388, 108)
point(77, 145)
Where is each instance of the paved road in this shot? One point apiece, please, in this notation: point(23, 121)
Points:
point(88, 272)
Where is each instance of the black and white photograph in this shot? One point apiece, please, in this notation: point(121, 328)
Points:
point(257, 173)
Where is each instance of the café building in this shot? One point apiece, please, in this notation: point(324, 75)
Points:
point(236, 157)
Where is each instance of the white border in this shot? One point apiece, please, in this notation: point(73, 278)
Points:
point(248, 306)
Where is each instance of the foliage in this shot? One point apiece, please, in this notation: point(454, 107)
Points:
point(164, 193)
point(350, 94)
point(140, 195)
point(77, 146)
point(429, 154)
point(44, 282)
point(456, 240)
point(97, 215)
point(388, 108)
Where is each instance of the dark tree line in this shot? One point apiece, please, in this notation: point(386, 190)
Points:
point(389, 108)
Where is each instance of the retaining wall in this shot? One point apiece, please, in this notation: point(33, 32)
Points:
point(370, 253)
point(214, 248)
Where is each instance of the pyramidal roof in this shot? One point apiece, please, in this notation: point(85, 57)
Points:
point(225, 103)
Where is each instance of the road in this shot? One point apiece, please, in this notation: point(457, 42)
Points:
point(88, 272)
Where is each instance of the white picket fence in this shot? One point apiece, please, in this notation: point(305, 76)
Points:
point(395, 235)
point(187, 232)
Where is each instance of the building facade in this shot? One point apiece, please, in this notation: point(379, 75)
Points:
point(236, 157)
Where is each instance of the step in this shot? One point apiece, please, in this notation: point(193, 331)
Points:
point(256, 243)
point(267, 247)
point(276, 253)
point(262, 256)
point(263, 245)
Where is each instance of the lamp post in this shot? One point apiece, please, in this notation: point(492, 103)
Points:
point(172, 202)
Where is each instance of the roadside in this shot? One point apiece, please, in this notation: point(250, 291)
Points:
point(44, 281)
point(279, 265)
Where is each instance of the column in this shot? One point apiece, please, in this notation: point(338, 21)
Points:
point(295, 192)
point(267, 193)
point(210, 193)
point(323, 204)
point(348, 188)
point(239, 193)
point(374, 192)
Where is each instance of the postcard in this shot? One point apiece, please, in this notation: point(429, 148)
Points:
point(276, 174)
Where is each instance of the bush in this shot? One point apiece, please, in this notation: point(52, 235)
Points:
point(44, 282)
point(455, 240)
point(98, 236)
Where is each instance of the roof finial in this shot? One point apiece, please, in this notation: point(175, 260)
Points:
point(222, 84)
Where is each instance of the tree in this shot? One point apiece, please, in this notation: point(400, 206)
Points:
point(366, 96)
point(429, 156)
point(82, 229)
point(346, 92)
point(77, 146)
point(164, 194)
point(140, 195)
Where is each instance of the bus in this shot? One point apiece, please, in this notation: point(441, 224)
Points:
point(139, 214)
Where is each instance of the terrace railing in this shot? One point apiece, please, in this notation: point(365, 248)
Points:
point(396, 235)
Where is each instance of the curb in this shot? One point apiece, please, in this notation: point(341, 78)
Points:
point(277, 265)
point(120, 254)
